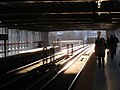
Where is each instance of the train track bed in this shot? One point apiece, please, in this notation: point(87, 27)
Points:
point(24, 58)
point(33, 74)
point(67, 75)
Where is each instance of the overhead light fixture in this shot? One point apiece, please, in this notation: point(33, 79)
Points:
point(102, 12)
point(115, 12)
point(99, 13)
point(99, 2)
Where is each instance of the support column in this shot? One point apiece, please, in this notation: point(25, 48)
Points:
point(44, 38)
point(117, 33)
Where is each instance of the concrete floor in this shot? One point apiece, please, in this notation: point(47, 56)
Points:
point(108, 78)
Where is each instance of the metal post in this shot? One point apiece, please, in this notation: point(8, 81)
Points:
point(5, 49)
point(53, 53)
point(71, 49)
point(50, 54)
point(67, 49)
point(45, 54)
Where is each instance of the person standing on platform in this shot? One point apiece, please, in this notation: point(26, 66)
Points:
point(112, 47)
point(116, 41)
point(100, 46)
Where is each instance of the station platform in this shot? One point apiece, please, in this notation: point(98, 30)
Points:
point(104, 78)
point(92, 77)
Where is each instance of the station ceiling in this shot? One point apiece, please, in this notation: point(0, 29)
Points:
point(56, 15)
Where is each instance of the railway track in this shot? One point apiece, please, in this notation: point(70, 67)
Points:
point(17, 80)
point(63, 80)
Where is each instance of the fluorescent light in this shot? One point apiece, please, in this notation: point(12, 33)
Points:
point(72, 13)
point(114, 12)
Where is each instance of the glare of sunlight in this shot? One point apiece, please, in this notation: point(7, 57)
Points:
point(32, 50)
point(28, 69)
point(106, 57)
point(66, 66)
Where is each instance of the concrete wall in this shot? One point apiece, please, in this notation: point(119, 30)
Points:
point(117, 33)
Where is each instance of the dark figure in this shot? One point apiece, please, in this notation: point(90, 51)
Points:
point(100, 47)
point(112, 47)
point(115, 41)
point(108, 42)
point(39, 44)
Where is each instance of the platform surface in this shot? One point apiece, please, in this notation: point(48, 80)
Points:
point(104, 78)
point(108, 78)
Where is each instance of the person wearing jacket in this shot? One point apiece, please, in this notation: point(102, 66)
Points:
point(100, 46)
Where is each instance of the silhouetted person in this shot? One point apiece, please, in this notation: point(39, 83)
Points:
point(108, 42)
point(112, 47)
point(100, 47)
point(115, 41)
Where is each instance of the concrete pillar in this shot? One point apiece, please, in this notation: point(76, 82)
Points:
point(44, 38)
point(117, 33)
